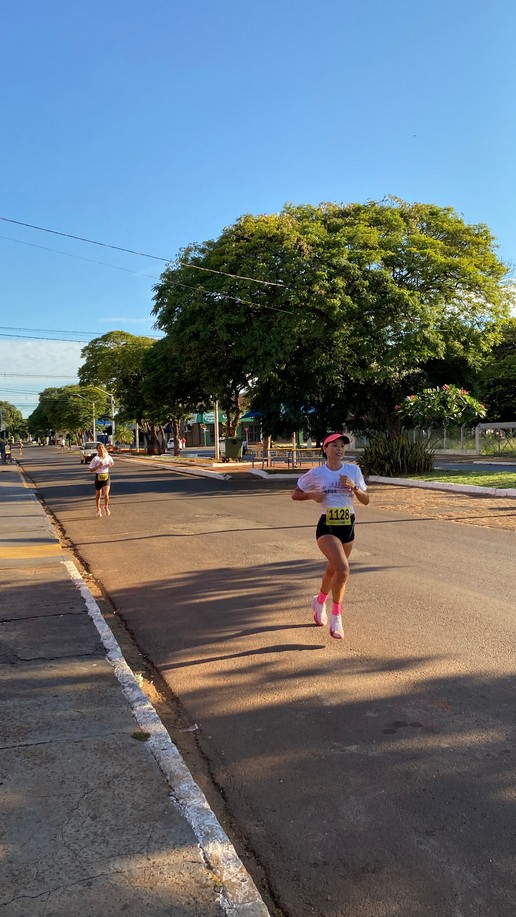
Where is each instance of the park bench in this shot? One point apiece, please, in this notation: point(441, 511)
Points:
point(291, 458)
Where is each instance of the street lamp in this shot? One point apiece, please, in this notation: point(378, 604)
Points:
point(82, 398)
point(112, 399)
point(76, 395)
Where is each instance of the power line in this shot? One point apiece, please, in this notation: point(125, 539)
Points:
point(150, 277)
point(5, 329)
point(118, 248)
point(57, 251)
point(47, 330)
point(35, 376)
point(189, 286)
point(18, 391)
point(31, 337)
point(238, 299)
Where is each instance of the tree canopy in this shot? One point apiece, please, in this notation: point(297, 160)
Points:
point(168, 395)
point(70, 409)
point(350, 300)
point(498, 378)
point(115, 361)
point(13, 420)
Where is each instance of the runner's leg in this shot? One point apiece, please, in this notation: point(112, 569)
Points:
point(337, 555)
point(105, 491)
point(337, 570)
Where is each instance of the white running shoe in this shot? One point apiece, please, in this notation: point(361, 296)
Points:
point(99, 512)
point(320, 616)
point(336, 629)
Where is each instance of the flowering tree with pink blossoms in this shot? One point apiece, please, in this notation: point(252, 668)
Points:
point(440, 407)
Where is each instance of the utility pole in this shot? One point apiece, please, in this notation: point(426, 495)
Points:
point(112, 399)
point(112, 420)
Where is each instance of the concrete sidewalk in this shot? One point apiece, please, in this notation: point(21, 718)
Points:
point(99, 816)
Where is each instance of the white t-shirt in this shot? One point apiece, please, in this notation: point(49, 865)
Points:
point(101, 465)
point(327, 481)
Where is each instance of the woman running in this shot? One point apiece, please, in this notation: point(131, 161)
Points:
point(333, 485)
point(101, 464)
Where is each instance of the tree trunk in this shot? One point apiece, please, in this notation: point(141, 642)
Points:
point(233, 414)
point(175, 434)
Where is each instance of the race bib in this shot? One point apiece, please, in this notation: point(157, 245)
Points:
point(102, 477)
point(338, 515)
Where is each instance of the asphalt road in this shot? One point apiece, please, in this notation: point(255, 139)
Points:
point(372, 777)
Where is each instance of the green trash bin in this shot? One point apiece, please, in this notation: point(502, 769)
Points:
point(234, 447)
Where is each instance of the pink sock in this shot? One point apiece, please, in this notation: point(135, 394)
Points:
point(321, 598)
point(336, 608)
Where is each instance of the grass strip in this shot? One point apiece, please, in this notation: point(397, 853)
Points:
point(498, 479)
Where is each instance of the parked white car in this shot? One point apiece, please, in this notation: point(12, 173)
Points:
point(88, 451)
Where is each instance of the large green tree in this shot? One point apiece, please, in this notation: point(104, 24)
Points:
point(68, 409)
point(13, 421)
point(228, 330)
point(114, 361)
point(169, 396)
point(498, 378)
point(353, 303)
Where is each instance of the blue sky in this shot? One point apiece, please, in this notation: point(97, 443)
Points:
point(151, 126)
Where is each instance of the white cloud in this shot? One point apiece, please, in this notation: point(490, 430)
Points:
point(28, 367)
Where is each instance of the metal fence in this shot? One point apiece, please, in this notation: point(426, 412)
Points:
point(284, 457)
point(484, 439)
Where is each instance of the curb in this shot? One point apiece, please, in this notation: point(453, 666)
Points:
point(408, 482)
point(375, 479)
point(182, 469)
point(441, 485)
point(239, 897)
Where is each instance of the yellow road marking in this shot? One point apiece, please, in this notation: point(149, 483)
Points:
point(30, 550)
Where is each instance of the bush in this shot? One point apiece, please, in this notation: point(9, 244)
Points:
point(393, 454)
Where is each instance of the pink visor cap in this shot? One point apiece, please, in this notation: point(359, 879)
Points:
point(333, 436)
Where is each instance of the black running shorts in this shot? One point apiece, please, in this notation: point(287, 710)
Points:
point(345, 533)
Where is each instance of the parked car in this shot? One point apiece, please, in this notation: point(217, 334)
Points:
point(88, 450)
point(170, 444)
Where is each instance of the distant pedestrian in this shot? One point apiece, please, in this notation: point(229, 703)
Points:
point(100, 464)
point(333, 485)
point(2, 451)
point(20, 448)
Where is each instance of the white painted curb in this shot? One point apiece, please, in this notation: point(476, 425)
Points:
point(439, 485)
point(179, 469)
point(240, 897)
point(408, 482)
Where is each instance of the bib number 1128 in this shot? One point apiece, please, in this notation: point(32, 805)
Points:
point(338, 515)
